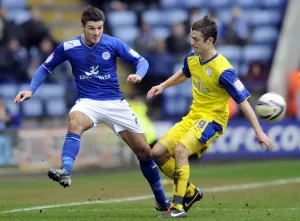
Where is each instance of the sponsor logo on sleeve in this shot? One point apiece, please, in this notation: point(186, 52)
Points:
point(50, 58)
point(239, 85)
point(134, 53)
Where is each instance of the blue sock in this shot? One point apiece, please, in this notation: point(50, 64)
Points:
point(70, 151)
point(151, 173)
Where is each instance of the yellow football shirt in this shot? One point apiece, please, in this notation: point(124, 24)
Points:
point(213, 82)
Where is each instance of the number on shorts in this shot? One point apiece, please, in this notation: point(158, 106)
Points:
point(201, 124)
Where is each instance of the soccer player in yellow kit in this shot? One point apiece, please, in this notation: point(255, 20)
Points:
point(214, 81)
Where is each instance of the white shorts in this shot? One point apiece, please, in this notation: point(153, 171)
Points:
point(116, 114)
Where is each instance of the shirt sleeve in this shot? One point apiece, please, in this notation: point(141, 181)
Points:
point(56, 58)
point(38, 78)
point(127, 53)
point(234, 86)
point(186, 69)
point(131, 56)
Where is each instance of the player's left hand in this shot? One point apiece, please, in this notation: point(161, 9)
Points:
point(134, 78)
point(264, 140)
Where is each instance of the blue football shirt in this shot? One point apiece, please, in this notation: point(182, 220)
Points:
point(94, 67)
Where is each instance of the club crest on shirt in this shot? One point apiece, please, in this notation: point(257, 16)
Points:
point(50, 58)
point(106, 55)
point(208, 72)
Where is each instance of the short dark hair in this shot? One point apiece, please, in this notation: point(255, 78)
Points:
point(92, 14)
point(207, 27)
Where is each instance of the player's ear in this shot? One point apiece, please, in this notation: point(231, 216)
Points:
point(211, 40)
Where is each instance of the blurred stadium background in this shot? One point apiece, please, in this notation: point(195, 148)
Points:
point(259, 37)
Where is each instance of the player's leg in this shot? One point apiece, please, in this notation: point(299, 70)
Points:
point(78, 123)
point(163, 154)
point(137, 142)
point(195, 141)
point(80, 120)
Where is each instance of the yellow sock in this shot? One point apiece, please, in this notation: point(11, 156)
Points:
point(177, 206)
point(190, 190)
point(168, 169)
point(181, 177)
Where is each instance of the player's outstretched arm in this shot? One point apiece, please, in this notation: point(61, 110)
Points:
point(175, 79)
point(260, 135)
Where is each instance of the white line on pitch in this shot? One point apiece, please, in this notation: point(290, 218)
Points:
point(128, 199)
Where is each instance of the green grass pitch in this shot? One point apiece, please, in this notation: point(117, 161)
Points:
point(262, 191)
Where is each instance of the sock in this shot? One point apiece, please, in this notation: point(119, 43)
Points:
point(151, 173)
point(177, 206)
point(190, 189)
point(70, 151)
point(168, 169)
point(181, 177)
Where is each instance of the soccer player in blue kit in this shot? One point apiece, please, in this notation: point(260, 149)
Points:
point(93, 57)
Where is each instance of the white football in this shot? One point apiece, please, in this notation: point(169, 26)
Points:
point(270, 107)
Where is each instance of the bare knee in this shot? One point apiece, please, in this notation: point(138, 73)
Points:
point(75, 127)
point(181, 153)
point(144, 152)
point(160, 154)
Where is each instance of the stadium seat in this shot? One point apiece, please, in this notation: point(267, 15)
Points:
point(152, 17)
point(195, 3)
point(264, 35)
point(185, 89)
point(170, 3)
point(257, 52)
point(161, 32)
point(175, 105)
point(32, 108)
point(55, 107)
point(23, 87)
point(236, 67)
point(13, 109)
point(126, 34)
point(171, 17)
point(232, 52)
point(18, 15)
point(177, 66)
point(118, 19)
point(170, 92)
point(224, 15)
point(273, 3)
point(14, 3)
point(51, 91)
point(263, 17)
point(215, 4)
point(8, 90)
point(244, 69)
point(248, 3)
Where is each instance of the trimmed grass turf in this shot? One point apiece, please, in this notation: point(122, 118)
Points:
point(267, 203)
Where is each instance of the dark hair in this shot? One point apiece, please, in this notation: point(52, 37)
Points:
point(92, 14)
point(207, 27)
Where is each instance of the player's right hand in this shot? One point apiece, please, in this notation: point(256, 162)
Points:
point(22, 96)
point(154, 91)
point(264, 141)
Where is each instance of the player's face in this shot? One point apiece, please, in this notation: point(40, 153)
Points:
point(198, 43)
point(92, 31)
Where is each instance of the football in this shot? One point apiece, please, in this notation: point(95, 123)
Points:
point(270, 107)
